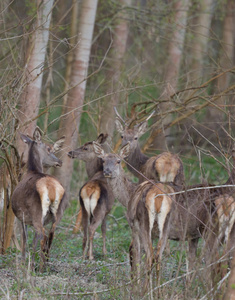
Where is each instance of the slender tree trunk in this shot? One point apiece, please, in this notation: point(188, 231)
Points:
point(200, 31)
point(70, 121)
point(118, 50)
point(226, 62)
point(175, 51)
point(33, 72)
point(227, 53)
point(70, 56)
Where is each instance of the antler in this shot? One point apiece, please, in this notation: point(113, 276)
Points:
point(118, 115)
point(150, 116)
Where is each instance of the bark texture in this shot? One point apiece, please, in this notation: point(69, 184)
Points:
point(33, 72)
point(118, 50)
point(70, 121)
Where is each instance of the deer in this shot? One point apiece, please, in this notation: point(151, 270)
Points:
point(188, 214)
point(93, 165)
point(146, 205)
point(225, 212)
point(96, 198)
point(165, 167)
point(39, 199)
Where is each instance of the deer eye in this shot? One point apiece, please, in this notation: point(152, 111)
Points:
point(118, 162)
point(85, 148)
point(48, 149)
point(121, 136)
point(135, 138)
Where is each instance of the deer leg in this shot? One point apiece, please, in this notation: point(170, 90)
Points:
point(92, 228)
point(85, 223)
point(134, 254)
point(78, 222)
point(148, 248)
point(24, 240)
point(35, 242)
point(103, 229)
point(50, 239)
point(40, 234)
point(43, 243)
point(192, 251)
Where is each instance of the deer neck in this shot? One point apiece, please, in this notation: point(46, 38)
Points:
point(94, 167)
point(34, 161)
point(136, 159)
point(122, 188)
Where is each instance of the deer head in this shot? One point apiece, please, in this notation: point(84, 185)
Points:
point(86, 151)
point(43, 153)
point(111, 162)
point(131, 135)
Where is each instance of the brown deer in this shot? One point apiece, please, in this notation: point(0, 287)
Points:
point(146, 205)
point(93, 165)
point(39, 199)
point(162, 210)
point(96, 198)
point(225, 212)
point(165, 167)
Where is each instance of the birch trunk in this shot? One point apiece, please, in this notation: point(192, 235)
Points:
point(33, 72)
point(71, 119)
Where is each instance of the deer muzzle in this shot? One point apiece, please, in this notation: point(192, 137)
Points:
point(107, 174)
point(71, 154)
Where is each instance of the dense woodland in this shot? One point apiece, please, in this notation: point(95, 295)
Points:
point(65, 66)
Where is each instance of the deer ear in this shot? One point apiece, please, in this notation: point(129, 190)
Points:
point(58, 144)
point(98, 150)
point(119, 126)
point(37, 134)
point(141, 128)
point(102, 138)
point(125, 150)
point(25, 138)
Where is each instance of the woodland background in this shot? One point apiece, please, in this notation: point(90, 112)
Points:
point(64, 65)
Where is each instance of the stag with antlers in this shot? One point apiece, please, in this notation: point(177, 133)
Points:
point(165, 167)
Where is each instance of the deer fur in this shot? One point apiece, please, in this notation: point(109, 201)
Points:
point(39, 199)
point(93, 165)
point(146, 204)
point(225, 212)
point(189, 215)
point(165, 167)
point(96, 198)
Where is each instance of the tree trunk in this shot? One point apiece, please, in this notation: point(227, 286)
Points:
point(218, 112)
point(227, 53)
point(113, 76)
point(33, 72)
point(71, 119)
point(175, 50)
point(200, 31)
